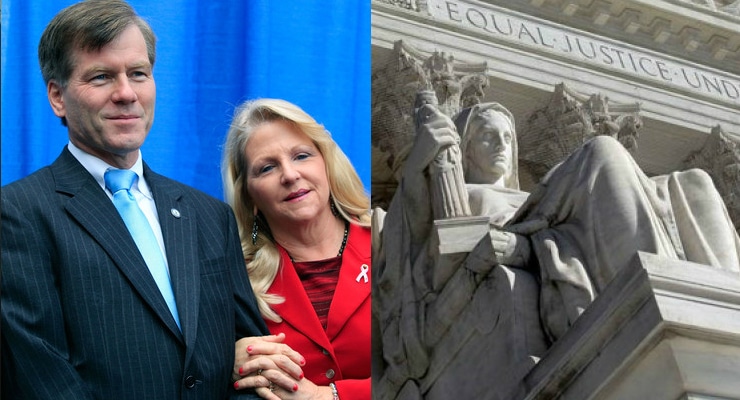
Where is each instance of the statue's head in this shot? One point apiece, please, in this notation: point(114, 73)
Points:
point(488, 144)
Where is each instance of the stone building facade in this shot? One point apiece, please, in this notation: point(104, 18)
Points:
point(663, 76)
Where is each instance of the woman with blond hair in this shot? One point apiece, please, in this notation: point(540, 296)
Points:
point(304, 218)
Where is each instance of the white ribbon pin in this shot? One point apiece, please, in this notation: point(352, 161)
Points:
point(363, 273)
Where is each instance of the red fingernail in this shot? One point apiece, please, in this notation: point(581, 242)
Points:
point(249, 348)
point(301, 377)
point(295, 387)
point(236, 385)
point(241, 370)
point(303, 361)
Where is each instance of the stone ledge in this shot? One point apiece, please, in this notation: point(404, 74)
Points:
point(663, 329)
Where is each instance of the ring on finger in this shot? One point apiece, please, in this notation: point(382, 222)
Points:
point(272, 387)
point(259, 371)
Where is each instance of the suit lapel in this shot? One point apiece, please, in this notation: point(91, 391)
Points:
point(350, 293)
point(92, 208)
point(294, 310)
point(179, 230)
point(348, 296)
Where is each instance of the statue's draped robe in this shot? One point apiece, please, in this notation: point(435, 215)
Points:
point(591, 214)
point(586, 220)
point(397, 308)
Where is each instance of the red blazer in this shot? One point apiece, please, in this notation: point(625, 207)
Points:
point(341, 354)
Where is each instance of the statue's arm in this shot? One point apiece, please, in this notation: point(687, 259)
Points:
point(435, 134)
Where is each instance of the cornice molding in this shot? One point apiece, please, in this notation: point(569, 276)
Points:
point(701, 31)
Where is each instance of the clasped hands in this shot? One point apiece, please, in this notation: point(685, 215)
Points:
point(273, 369)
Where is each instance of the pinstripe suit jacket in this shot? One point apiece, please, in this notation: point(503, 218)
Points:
point(82, 318)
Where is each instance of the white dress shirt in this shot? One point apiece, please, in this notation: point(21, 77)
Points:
point(140, 189)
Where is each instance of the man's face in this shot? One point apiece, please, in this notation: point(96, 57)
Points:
point(109, 100)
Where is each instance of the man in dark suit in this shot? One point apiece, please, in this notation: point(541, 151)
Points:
point(84, 315)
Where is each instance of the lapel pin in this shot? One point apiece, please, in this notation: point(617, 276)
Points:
point(175, 212)
point(363, 273)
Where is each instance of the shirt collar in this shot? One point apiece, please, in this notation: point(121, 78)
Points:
point(97, 167)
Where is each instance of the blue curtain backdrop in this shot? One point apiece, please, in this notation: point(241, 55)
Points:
point(211, 56)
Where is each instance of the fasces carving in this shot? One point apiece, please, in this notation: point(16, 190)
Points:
point(720, 157)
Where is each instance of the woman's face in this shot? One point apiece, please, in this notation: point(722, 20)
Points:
point(286, 175)
point(490, 147)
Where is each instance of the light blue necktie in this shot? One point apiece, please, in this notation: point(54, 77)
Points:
point(119, 182)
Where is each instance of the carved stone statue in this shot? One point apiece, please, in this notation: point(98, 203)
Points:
point(394, 87)
point(431, 306)
point(570, 119)
point(586, 220)
point(720, 157)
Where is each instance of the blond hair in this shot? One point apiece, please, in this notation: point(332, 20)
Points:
point(346, 189)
